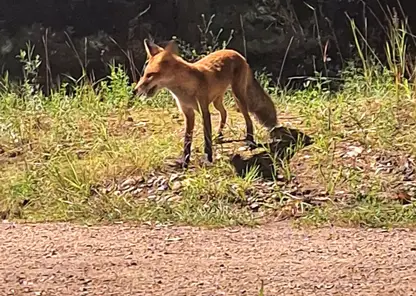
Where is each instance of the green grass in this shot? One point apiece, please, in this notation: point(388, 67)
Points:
point(59, 152)
point(55, 152)
point(94, 156)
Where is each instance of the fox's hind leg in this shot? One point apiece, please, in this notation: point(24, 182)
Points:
point(219, 105)
point(241, 100)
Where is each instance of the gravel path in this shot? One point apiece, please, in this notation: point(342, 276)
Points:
point(65, 259)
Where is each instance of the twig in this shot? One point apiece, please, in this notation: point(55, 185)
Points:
point(129, 56)
point(48, 65)
point(244, 35)
point(284, 60)
point(72, 46)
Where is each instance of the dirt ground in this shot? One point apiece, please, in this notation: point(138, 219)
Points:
point(65, 259)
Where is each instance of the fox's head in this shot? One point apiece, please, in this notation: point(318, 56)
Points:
point(160, 69)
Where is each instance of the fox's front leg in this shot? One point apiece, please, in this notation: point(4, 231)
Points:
point(206, 117)
point(189, 115)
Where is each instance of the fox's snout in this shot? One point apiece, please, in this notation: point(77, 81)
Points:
point(138, 91)
point(145, 88)
point(141, 88)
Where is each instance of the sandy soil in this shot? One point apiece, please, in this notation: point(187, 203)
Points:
point(65, 259)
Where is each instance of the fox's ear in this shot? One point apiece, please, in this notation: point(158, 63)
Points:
point(152, 49)
point(172, 47)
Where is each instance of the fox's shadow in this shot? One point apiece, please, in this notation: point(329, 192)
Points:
point(283, 147)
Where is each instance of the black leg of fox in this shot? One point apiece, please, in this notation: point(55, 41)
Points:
point(206, 116)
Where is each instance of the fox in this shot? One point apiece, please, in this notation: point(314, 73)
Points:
point(195, 85)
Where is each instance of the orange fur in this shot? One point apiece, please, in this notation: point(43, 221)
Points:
point(196, 85)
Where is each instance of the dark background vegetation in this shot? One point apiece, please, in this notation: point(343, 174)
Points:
point(94, 33)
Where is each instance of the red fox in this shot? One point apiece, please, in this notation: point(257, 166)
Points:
point(196, 85)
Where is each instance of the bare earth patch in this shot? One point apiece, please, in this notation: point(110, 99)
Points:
point(65, 259)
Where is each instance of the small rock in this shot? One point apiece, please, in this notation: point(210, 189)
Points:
point(174, 198)
point(132, 263)
point(140, 179)
point(261, 196)
point(160, 181)
point(129, 189)
point(137, 191)
point(163, 188)
point(354, 151)
point(127, 183)
point(251, 199)
point(254, 206)
point(176, 186)
point(152, 197)
point(163, 198)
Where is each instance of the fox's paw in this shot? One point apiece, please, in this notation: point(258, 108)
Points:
point(179, 163)
point(251, 145)
point(205, 162)
point(219, 139)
